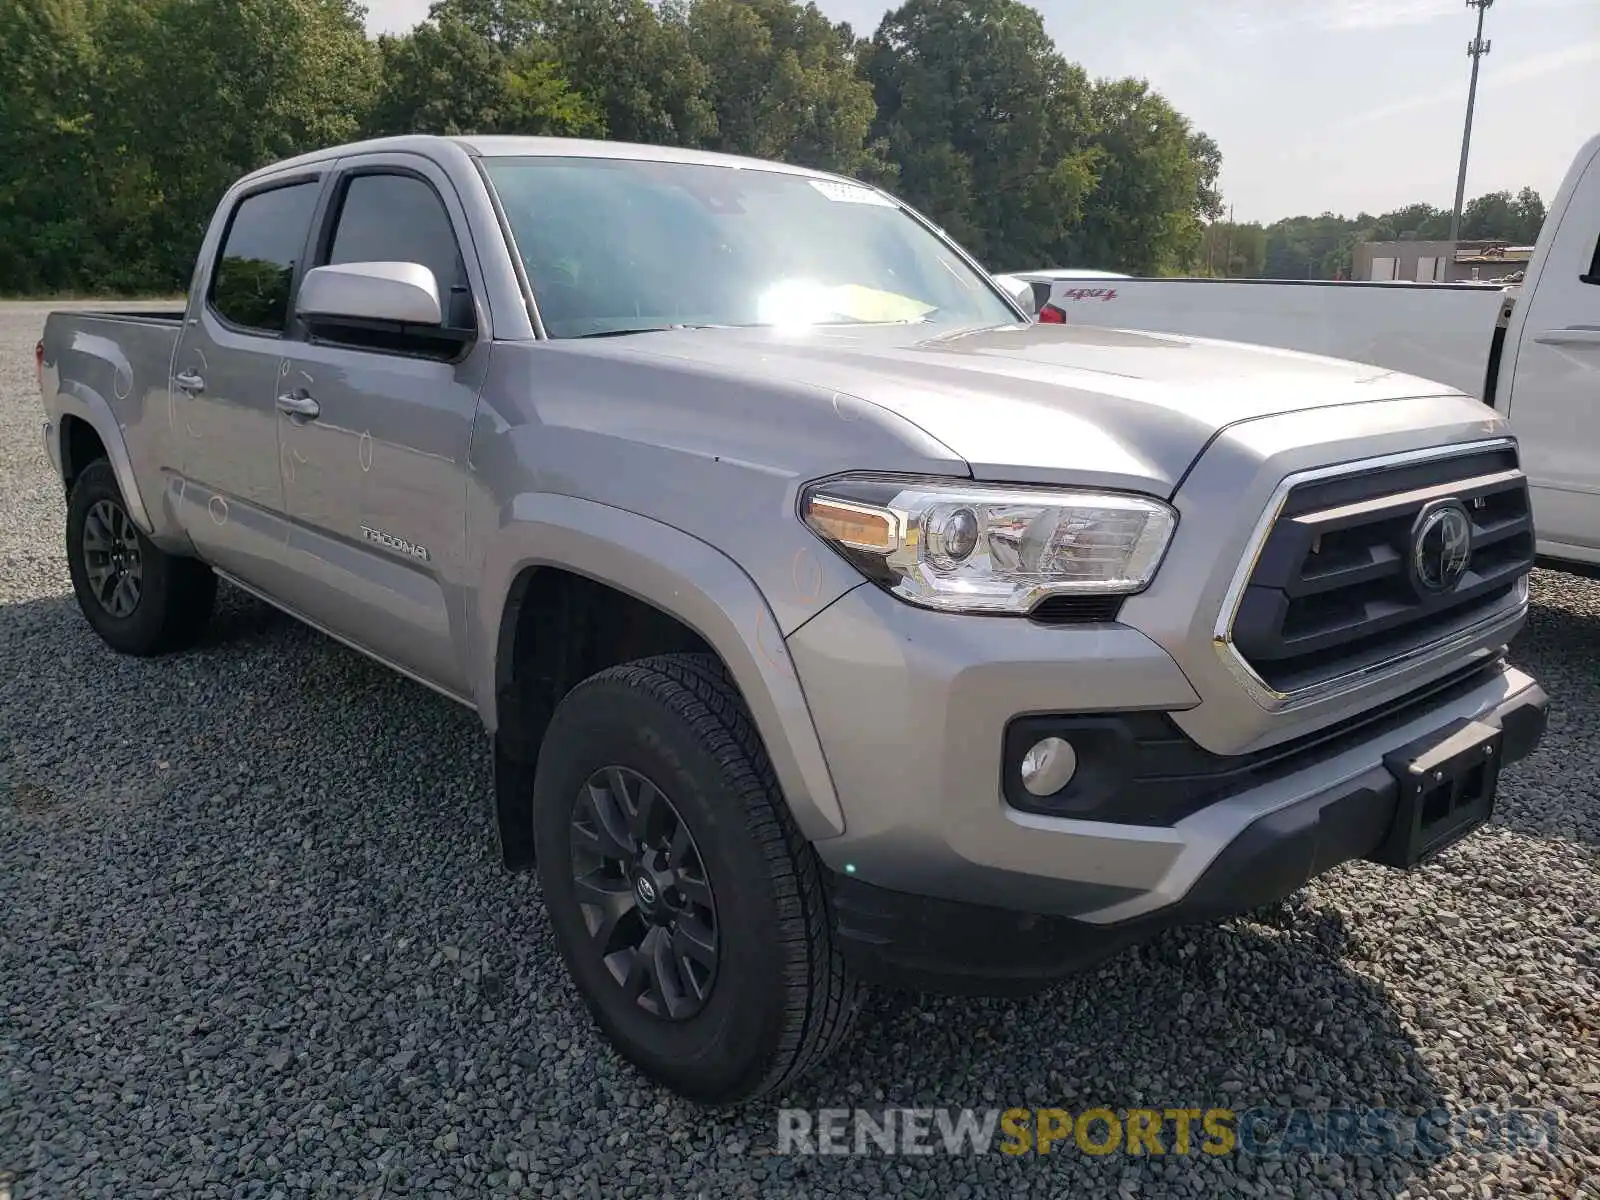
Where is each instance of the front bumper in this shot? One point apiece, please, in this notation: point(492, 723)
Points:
point(932, 848)
point(920, 942)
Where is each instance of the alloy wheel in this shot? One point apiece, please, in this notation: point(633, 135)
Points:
point(644, 893)
point(111, 558)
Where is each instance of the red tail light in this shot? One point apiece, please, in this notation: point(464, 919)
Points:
point(38, 362)
point(1051, 315)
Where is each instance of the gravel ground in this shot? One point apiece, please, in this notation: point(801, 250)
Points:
point(253, 942)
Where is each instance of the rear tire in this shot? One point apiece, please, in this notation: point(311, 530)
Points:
point(771, 998)
point(138, 598)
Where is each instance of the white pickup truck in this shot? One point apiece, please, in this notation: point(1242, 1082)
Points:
point(1532, 351)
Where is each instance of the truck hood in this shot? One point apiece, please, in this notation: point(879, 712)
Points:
point(1028, 403)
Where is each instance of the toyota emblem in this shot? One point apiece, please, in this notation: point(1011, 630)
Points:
point(1441, 546)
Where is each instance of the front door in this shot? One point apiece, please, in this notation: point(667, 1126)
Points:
point(375, 464)
point(228, 492)
point(1555, 384)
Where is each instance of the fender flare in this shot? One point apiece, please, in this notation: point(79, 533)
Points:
point(691, 581)
point(73, 399)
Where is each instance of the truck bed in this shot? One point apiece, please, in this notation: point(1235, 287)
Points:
point(115, 354)
point(111, 369)
point(1440, 331)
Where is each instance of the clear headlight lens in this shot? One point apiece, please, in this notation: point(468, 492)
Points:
point(972, 547)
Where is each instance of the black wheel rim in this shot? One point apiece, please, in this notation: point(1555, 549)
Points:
point(644, 893)
point(111, 558)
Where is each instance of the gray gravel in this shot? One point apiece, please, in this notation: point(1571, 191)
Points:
point(252, 942)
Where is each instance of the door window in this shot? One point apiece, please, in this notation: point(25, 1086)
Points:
point(400, 218)
point(254, 274)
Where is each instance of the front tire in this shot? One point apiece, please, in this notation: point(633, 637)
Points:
point(687, 905)
point(139, 599)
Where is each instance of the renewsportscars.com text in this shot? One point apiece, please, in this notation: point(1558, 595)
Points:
point(1259, 1132)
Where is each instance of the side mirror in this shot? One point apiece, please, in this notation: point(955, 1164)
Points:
point(401, 292)
point(1019, 290)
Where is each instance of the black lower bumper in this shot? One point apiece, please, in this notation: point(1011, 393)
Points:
point(928, 944)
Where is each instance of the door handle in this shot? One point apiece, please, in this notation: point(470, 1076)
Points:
point(1575, 335)
point(299, 406)
point(189, 381)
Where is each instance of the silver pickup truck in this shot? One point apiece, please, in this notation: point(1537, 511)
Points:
point(833, 623)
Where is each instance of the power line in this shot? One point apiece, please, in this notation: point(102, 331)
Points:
point(1476, 49)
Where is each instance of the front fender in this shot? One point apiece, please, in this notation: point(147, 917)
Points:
point(74, 399)
point(691, 581)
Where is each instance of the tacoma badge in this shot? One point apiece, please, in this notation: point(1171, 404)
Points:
point(389, 541)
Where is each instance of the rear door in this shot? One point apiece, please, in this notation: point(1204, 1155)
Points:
point(221, 404)
point(376, 480)
point(1554, 394)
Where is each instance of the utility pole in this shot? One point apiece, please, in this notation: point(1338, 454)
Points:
point(1476, 49)
point(1227, 257)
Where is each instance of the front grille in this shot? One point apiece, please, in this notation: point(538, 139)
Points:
point(1332, 593)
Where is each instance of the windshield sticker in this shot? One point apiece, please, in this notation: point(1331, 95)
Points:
point(793, 302)
point(849, 193)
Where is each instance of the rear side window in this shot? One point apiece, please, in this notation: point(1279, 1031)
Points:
point(254, 273)
point(399, 218)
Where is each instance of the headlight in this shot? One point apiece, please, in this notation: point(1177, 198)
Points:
point(972, 547)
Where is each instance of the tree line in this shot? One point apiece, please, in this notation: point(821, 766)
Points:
point(1323, 247)
point(123, 121)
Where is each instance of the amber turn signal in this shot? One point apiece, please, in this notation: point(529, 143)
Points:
point(858, 526)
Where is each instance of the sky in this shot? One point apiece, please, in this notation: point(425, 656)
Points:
point(1330, 105)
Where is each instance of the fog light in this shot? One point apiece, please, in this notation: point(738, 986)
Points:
point(1049, 766)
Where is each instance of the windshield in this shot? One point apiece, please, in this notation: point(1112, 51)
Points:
point(618, 245)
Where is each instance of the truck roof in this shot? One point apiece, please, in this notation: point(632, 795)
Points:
point(440, 148)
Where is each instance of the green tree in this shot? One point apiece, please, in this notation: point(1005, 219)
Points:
point(49, 192)
point(1207, 156)
point(988, 126)
point(1156, 185)
point(447, 77)
point(1500, 216)
point(109, 170)
point(1530, 213)
point(782, 82)
point(508, 24)
point(278, 78)
point(1234, 251)
point(1414, 221)
point(1324, 247)
point(1309, 247)
point(636, 67)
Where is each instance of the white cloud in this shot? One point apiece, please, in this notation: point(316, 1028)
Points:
point(1521, 71)
point(1383, 14)
point(1257, 18)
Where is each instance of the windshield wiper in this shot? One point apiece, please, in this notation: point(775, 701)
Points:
point(645, 329)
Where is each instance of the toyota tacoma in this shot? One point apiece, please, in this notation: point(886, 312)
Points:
point(834, 624)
